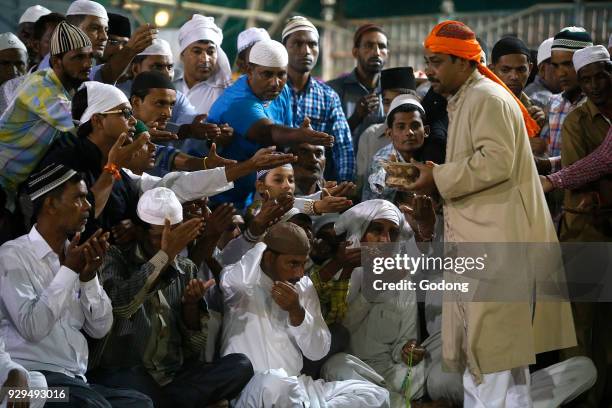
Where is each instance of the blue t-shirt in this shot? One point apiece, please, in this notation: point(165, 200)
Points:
point(241, 108)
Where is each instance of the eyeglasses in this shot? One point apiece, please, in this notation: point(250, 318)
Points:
point(127, 112)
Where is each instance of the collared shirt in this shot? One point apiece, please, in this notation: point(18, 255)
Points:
point(539, 94)
point(321, 105)
point(558, 109)
point(590, 168)
point(351, 91)
point(147, 304)
point(40, 114)
point(255, 325)
point(45, 306)
point(241, 108)
point(202, 95)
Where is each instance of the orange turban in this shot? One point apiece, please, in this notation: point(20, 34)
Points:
point(455, 38)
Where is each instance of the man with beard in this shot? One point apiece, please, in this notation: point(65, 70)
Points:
point(41, 113)
point(92, 18)
point(258, 108)
point(316, 101)
point(25, 29)
point(360, 91)
point(511, 63)
point(272, 314)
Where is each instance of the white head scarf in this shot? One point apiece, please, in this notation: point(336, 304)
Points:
point(159, 204)
point(201, 28)
point(250, 36)
point(356, 220)
point(88, 8)
point(10, 40)
point(33, 13)
point(101, 98)
point(589, 55)
point(269, 53)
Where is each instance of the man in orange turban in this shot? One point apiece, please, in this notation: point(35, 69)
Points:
point(490, 190)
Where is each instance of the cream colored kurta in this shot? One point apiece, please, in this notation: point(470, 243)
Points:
point(492, 193)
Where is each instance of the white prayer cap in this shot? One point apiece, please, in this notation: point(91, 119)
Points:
point(87, 8)
point(101, 98)
point(269, 53)
point(250, 36)
point(159, 204)
point(199, 28)
point(299, 23)
point(544, 50)
point(589, 55)
point(10, 40)
point(405, 99)
point(159, 47)
point(32, 14)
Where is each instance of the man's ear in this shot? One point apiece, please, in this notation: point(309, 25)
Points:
point(260, 186)
point(388, 132)
point(135, 68)
point(427, 130)
point(530, 67)
point(354, 52)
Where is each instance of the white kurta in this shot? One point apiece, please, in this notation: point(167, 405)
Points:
point(256, 326)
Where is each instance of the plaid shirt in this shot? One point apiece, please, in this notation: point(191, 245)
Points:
point(40, 113)
point(321, 104)
point(332, 296)
point(558, 108)
point(590, 168)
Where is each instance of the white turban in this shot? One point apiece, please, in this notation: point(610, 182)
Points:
point(10, 40)
point(199, 28)
point(159, 47)
point(589, 55)
point(405, 99)
point(87, 8)
point(299, 23)
point(250, 36)
point(159, 204)
point(101, 98)
point(269, 53)
point(33, 13)
point(356, 220)
point(544, 50)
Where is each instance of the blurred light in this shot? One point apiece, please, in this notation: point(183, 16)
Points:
point(162, 17)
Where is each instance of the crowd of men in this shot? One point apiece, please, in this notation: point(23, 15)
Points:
point(197, 238)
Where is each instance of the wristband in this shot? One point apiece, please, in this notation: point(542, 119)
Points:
point(113, 170)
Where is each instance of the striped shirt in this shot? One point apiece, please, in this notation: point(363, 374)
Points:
point(39, 116)
point(321, 104)
point(147, 301)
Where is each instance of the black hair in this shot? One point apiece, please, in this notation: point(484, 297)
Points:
point(57, 192)
point(145, 81)
point(404, 108)
point(79, 105)
point(41, 24)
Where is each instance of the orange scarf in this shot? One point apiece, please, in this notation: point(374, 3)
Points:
point(455, 38)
